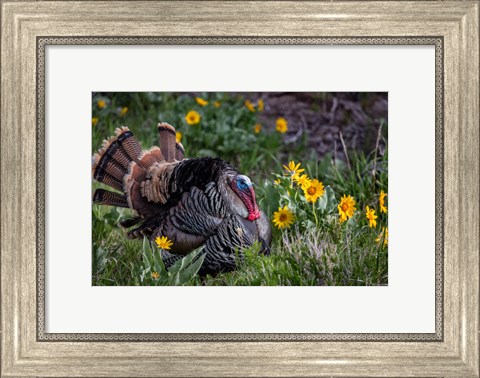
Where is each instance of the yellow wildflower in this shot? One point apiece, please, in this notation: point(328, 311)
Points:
point(293, 170)
point(283, 218)
point(282, 125)
point(383, 208)
point(249, 106)
point(122, 111)
point(257, 128)
point(216, 104)
point(200, 101)
point(370, 214)
point(260, 105)
point(178, 136)
point(346, 208)
point(193, 117)
point(94, 121)
point(382, 236)
point(313, 189)
point(101, 104)
point(302, 180)
point(155, 275)
point(163, 242)
point(276, 182)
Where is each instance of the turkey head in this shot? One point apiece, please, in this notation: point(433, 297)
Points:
point(242, 188)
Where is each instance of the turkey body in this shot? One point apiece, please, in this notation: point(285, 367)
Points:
point(197, 202)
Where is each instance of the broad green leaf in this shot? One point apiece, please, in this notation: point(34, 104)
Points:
point(188, 273)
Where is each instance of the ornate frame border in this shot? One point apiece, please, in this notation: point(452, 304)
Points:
point(438, 42)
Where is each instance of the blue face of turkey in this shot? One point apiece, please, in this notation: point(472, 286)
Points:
point(243, 187)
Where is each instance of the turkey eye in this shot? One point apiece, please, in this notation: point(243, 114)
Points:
point(241, 184)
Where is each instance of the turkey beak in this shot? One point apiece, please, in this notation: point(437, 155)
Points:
point(255, 214)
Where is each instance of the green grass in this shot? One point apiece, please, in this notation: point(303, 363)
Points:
point(316, 250)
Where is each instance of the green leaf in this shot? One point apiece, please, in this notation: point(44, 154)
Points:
point(158, 262)
point(147, 256)
point(183, 270)
point(188, 273)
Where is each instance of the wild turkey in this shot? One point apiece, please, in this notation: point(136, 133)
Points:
point(194, 202)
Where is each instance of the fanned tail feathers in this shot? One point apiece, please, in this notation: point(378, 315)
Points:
point(129, 143)
point(111, 164)
point(171, 150)
point(105, 197)
point(113, 160)
point(121, 164)
point(179, 152)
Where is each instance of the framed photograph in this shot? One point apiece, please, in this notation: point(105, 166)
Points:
point(208, 218)
point(240, 188)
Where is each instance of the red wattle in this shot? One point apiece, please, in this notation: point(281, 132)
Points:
point(254, 215)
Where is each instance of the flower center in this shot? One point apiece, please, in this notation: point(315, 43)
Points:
point(344, 207)
point(311, 190)
point(283, 217)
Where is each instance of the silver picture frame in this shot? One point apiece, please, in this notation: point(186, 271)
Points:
point(28, 27)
